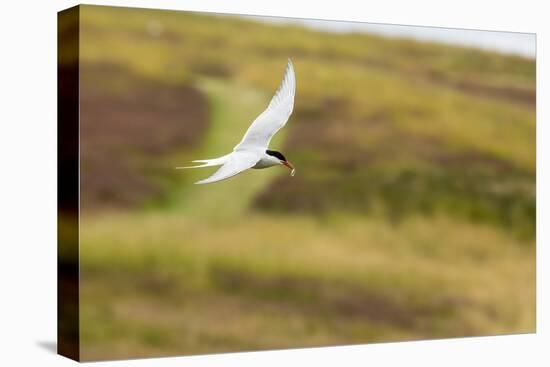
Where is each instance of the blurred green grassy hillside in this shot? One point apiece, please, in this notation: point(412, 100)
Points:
point(412, 214)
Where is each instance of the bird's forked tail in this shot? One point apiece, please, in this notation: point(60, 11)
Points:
point(208, 162)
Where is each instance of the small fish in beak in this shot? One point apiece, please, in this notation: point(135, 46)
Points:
point(291, 167)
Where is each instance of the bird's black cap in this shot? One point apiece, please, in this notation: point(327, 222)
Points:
point(274, 153)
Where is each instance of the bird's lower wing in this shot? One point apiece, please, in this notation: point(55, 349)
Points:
point(236, 163)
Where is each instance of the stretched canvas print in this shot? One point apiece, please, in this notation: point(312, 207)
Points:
point(236, 183)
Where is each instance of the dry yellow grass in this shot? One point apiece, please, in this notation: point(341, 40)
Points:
point(200, 286)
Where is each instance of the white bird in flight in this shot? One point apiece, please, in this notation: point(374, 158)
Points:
point(252, 151)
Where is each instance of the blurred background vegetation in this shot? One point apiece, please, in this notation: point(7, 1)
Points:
point(411, 216)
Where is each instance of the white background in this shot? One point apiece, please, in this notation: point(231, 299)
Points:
point(28, 183)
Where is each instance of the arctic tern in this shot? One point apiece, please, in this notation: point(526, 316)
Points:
point(252, 151)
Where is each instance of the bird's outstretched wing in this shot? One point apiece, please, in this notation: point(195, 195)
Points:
point(261, 131)
point(235, 163)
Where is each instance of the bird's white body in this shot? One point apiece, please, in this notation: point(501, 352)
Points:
point(252, 151)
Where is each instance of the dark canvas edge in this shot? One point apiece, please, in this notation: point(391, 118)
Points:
point(68, 325)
